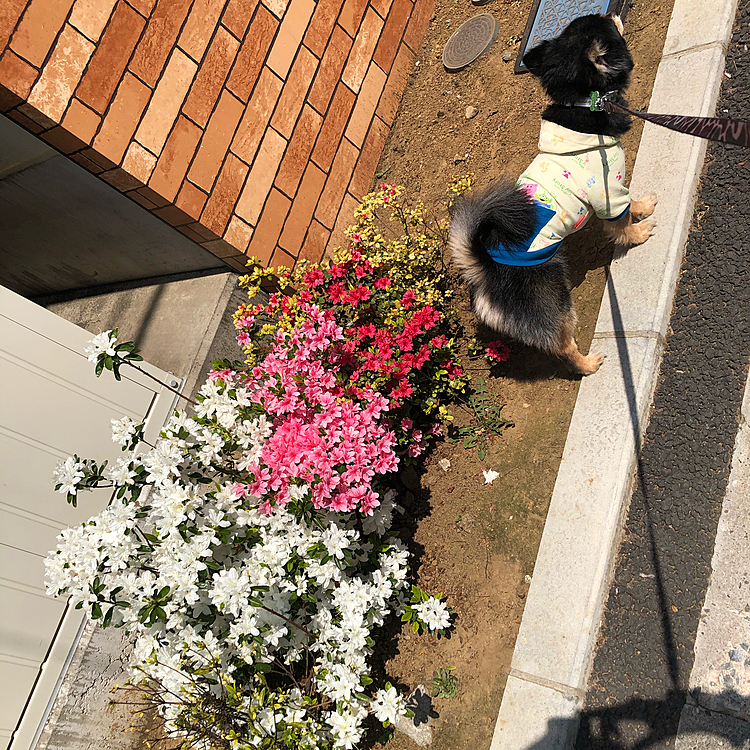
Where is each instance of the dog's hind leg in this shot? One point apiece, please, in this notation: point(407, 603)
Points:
point(567, 349)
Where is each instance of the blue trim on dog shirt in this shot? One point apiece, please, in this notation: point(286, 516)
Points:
point(520, 255)
point(624, 213)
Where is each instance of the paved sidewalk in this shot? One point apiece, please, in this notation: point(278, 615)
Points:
point(641, 693)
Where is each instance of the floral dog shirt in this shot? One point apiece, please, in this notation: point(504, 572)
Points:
point(575, 175)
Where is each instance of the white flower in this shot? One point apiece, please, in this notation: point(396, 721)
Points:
point(215, 548)
point(226, 414)
point(68, 474)
point(103, 343)
point(387, 705)
point(382, 517)
point(121, 473)
point(340, 683)
point(345, 727)
point(298, 491)
point(433, 613)
point(267, 721)
point(230, 590)
point(336, 540)
point(162, 461)
point(490, 475)
point(123, 430)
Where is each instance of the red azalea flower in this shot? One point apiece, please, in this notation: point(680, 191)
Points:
point(367, 330)
point(313, 278)
point(408, 298)
point(336, 291)
point(338, 272)
point(357, 295)
point(382, 283)
point(498, 351)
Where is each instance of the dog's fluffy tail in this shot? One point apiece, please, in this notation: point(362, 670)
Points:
point(501, 214)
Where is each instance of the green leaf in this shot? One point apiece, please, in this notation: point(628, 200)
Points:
point(386, 737)
point(259, 666)
point(415, 626)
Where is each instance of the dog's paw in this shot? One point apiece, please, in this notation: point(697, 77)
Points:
point(643, 208)
point(592, 363)
point(643, 230)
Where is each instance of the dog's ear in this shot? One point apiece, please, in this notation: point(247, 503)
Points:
point(596, 53)
point(534, 58)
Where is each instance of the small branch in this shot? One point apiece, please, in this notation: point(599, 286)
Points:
point(286, 619)
point(168, 387)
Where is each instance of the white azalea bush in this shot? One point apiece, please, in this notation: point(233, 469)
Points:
point(249, 549)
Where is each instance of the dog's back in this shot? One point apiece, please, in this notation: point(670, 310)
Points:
point(529, 303)
point(500, 215)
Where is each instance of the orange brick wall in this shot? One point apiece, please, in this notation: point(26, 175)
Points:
point(251, 126)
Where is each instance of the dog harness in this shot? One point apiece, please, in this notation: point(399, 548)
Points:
point(575, 175)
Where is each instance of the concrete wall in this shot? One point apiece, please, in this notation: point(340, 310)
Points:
point(253, 127)
point(61, 229)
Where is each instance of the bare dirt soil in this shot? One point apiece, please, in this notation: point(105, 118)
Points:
point(477, 543)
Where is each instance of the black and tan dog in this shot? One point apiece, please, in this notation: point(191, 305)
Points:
point(505, 238)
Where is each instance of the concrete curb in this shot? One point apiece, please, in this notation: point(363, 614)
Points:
point(553, 653)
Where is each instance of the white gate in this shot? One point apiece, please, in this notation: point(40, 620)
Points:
point(51, 406)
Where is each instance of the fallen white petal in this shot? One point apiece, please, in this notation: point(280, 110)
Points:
point(490, 475)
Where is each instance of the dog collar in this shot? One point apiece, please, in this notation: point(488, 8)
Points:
point(595, 101)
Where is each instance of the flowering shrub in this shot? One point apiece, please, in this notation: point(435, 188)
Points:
point(249, 549)
point(389, 298)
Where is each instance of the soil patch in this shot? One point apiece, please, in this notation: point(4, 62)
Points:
point(477, 543)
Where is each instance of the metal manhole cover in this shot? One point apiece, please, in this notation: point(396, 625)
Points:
point(548, 18)
point(470, 40)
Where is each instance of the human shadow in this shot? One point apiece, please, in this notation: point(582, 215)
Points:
point(602, 728)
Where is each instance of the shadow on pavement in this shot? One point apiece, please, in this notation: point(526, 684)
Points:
point(599, 729)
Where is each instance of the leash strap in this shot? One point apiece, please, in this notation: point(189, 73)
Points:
point(734, 132)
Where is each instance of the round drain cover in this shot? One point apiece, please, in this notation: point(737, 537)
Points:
point(472, 39)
